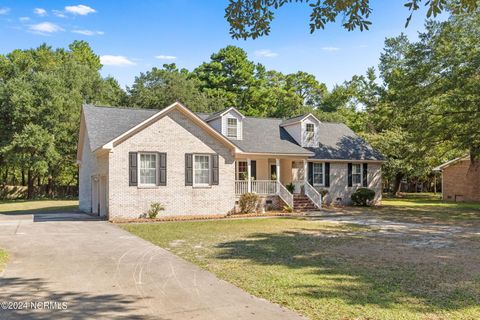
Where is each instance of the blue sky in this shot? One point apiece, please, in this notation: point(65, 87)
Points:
point(134, 36)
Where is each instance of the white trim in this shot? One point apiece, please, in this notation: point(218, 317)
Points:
point(223, 113)
point(206, 126)
point(139, 179)
point(300, 120)
point(228, 127)
point(451, 162)
point(237, 171)
point(322, 184)
point(348, 161)
point(194, 184)
point(302, 155)
point(354, 184)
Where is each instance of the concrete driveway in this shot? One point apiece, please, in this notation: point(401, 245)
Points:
point(96, 270)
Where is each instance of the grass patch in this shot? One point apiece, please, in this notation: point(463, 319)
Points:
point(3, 259)
point(327, 270)
point(34, 206)
point(423, 207)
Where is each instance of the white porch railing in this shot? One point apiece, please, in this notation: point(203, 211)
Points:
point(285, 195)
point(263, 187)
point(313, 194)
point(241, 187)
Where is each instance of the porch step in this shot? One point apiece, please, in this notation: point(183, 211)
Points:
point(303, 203)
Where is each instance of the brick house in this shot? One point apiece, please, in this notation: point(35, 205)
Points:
point(195, 163)
point(460, 179)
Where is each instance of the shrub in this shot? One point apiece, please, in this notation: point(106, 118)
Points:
point(323, 192)
point(363, 197)
point(155, 208)
point(287, 209)
point(248, 202)
point(290, 187)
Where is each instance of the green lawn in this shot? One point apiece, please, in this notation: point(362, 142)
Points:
point(3, 259)
point(33, 206)
point(427, 207)
point(326, 270)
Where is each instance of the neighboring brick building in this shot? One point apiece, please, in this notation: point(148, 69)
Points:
point(460, 179)
point(199, 164)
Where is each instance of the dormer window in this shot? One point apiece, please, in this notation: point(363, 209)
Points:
point(310, 128)
point(232, 126)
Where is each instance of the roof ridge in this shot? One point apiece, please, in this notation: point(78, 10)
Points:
point(121, 108)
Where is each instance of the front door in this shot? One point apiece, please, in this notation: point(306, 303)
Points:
point(273, 171)
point(297, 176)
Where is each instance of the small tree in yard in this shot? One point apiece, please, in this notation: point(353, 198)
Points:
point(363, 197)
point(248, 202)
point(155, 209)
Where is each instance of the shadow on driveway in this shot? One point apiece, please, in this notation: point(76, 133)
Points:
point(79, 305)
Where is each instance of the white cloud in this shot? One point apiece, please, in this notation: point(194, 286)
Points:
point(59, 13)
point(24, 19)
point(45, 27)
point(4, 10)
point(88, 32)
point(163, 57)
point(40, 12)
point(109, 60)
point(265, 53)
point(330, 49)
point(80, 9)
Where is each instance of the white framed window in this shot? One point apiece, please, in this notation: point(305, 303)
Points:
point(201, 170)
point(242, 170)
point(310, 128)
point(318, 174)
point(147, 170)
point(232, 126)
point(357, 174)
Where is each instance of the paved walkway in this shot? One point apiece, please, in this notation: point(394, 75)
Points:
point(101, 271)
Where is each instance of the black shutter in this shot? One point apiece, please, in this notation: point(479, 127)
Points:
point(327, 174)
point(132, 169)
point(310, 173)
point(350, 182)
point(162, 169)
point(253, 169)
point(214, 173)
point(188, 169)
point(365, 174)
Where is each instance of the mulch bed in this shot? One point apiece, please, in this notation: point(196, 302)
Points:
point(207, 217)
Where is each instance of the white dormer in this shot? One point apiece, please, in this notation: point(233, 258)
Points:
point(228, 122)
point(304, 129)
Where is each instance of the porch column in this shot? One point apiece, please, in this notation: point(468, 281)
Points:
point(249, 174)
point(277, 173)
point(305, 173)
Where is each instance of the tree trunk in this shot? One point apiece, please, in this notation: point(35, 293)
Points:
point(50, 185)
point(23, 177)
point(30, 179)
point(396, 185)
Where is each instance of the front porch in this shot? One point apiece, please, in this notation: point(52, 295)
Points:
point(270, 176)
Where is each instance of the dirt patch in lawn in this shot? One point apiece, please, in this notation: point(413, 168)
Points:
point(339, 265)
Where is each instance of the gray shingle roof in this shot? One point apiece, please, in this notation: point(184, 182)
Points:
point(106, 123)
point(293, 119)
point(339, 142)
point(215, 114)
point(265, 135)
point(260, 135)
